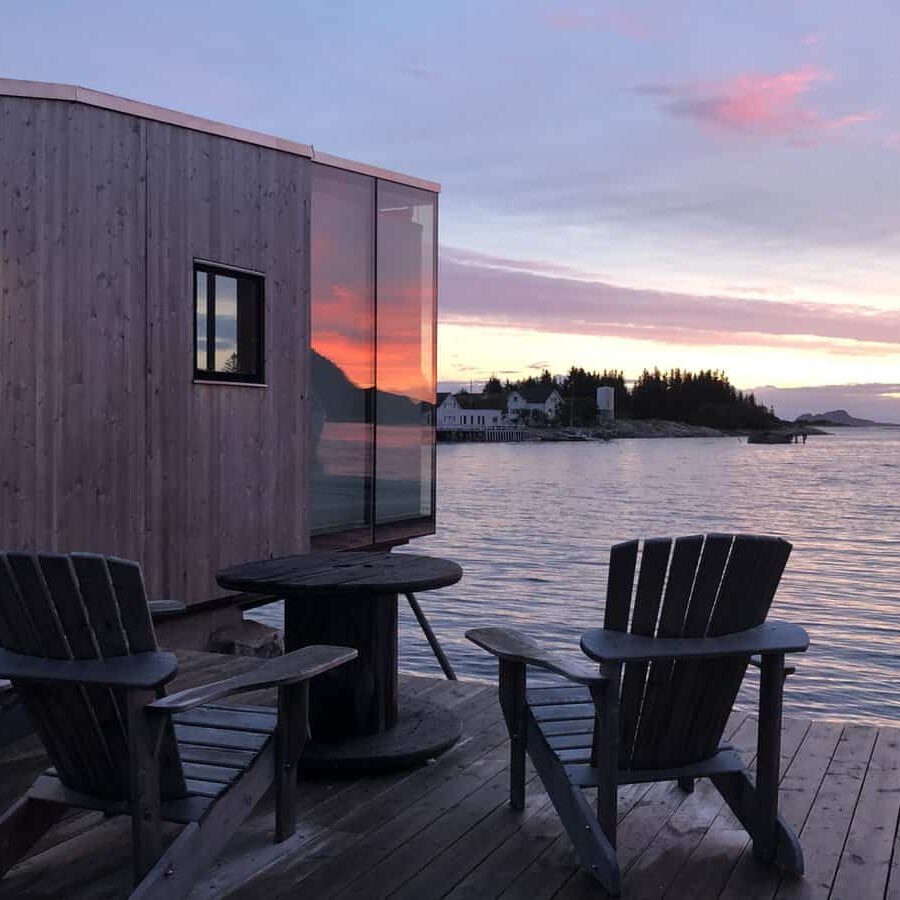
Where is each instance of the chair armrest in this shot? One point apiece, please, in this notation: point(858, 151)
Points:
point(770, 637)
point(163, 609)
point(139, 670)
point(300, 665)
point(512, 645)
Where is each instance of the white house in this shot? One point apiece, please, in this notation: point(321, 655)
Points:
point(469, 411)
point(541, 401)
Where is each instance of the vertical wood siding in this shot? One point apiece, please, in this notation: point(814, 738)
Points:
point(107, 444)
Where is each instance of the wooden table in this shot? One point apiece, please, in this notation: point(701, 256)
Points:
point(350, 599)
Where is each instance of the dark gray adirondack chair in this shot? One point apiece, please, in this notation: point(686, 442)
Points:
point(679, 632)
point(78, 644)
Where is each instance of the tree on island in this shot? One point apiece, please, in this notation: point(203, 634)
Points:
point(702, 398)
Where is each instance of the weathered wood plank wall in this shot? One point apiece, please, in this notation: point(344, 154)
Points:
point(106, 442)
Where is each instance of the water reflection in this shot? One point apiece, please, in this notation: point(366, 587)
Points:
point(534, 548)
point(532, 526)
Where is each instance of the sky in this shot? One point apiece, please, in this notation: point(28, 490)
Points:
point(703, 184)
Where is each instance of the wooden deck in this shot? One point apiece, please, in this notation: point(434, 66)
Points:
point(444, 830)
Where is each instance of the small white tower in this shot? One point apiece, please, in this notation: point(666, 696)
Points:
point(606, 403)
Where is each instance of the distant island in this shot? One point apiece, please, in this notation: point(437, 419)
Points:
point(839, 418)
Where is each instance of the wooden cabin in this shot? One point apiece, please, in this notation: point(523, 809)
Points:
point(215, 345)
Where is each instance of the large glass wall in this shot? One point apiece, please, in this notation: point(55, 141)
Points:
point(343, 352)
point(373, 359)
point(405, 355)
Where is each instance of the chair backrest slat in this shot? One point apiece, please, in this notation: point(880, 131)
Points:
point(716, 549)
point(69, 607)
point(658, 689)
point(50, 640)
point(134, 611)
point(622, 560)
point(647, 600)
point(674, 713)
point(17, 630)
point(99, 599)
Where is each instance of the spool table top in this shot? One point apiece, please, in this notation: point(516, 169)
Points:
point(335, 573)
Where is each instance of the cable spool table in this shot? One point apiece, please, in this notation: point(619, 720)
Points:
point(350, 599)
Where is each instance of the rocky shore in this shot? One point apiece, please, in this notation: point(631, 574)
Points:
point(651, 428)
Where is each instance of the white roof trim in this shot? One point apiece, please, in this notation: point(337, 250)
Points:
point(41, 90)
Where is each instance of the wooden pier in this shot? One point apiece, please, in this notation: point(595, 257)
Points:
point(490, 434)
point(445, 830)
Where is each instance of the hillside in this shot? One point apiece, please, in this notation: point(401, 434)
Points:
point(835, 417)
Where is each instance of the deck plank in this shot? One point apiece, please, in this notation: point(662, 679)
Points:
point(445, 830)
point(825, 831)
point(866, 857)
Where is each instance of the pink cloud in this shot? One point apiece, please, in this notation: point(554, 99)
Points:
point(757, 104)
point(869, 115)
point(892, 141)
point(811, 40)
point(614, 19)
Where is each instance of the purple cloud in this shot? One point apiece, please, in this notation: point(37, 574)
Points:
point(477, 291)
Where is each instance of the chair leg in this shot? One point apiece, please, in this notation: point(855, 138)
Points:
point(175, 872)
point(144, 784)
point(290, 738)
point(741, 796)
point(606, 750)
point(768, 753)
point(686, 784)
point(592, 844)
point(26, 821)
point(756, 806)
point(512, 702)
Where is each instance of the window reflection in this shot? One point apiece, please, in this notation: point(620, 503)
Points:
point(343, 359)
point(228, 308)
point(405, 364)
point(226, 324)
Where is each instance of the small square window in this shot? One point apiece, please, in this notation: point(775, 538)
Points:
point(228, 324)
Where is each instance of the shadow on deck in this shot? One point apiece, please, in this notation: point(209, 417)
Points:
point(444, 830)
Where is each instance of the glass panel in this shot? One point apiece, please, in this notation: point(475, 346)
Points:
point(249, 326)
point(226, 324)
point(343, 356)
point(200, 293)
point(405, 364)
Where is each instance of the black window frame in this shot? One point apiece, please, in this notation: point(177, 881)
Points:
point(210, 270)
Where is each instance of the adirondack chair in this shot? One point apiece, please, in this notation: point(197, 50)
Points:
point(657, 707)
point(79, 647)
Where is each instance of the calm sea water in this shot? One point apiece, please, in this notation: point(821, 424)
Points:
point(532, 524)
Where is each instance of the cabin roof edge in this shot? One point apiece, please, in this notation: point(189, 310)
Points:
point(43, 90)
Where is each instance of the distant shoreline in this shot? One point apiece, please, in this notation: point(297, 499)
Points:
point(628, 429)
